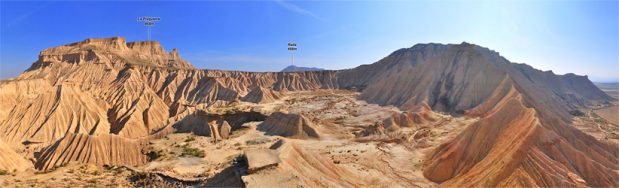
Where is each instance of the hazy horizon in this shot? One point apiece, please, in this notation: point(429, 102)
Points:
point(578, 37)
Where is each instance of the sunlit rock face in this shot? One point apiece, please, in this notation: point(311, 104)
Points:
point(92, 101)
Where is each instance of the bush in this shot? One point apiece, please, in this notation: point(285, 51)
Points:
point(92, 181)
point(190, 138)
point(187, 151)
point(577, 113)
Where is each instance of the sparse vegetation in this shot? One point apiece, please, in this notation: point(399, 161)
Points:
point(259, 140)
point(190, 138)
point(153, 155)
point(188, 151)
point(92, 181)
point(577, 113)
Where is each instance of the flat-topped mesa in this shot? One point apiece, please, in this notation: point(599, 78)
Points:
point(107, 44)
point(149, 47)
point(153, 53)
point(149, 53)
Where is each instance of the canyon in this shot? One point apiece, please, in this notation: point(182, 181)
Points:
point(432, 115)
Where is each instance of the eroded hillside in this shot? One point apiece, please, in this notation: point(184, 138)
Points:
point(462, 113)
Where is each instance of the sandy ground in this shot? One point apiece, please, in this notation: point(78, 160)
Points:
point(80, 175)
point(599, 124)
point(611, 114)
point(611, 89)
point(183, 159)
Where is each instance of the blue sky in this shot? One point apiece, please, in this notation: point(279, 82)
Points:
point(564, 36)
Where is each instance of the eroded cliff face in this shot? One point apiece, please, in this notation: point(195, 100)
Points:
point(104, 96)
point(523, 137)
point(12, 161)
point(77, 96)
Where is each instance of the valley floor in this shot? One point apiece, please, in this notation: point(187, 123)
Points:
point(251, 158)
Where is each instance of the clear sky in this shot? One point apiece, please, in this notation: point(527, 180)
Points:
point(564, 36)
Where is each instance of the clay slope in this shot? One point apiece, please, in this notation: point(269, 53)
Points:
point(457, 78)
point(520, 108)
point(90, 100)
point(14, 92)
point(261, 95)
point(191, 87)
point(101, 150)
point(514, 147)
point(296, 167)
point(289, 125)
point(10, 161)
point(54, 113)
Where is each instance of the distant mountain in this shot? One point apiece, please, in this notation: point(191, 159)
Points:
point(607, 85)
point(293, 68)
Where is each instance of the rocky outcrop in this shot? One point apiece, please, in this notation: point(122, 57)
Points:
point(297, 167)
point(289, 125)
point(224, 130)
point(423, 116)
point(261, 95)
point(378, 129)
point(149, 53)
point(258, 159)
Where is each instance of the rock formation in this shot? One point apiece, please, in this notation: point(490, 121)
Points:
point(294, 166)
point(100, 150)
point(11, 161)
point(224, 130)
point(90, 100)
point(261, 95)
point(258, 159)
point(289, 125)
point(378, 129)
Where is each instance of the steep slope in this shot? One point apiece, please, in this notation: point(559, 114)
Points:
point(52, 114)
point(14, 92)
point(514, 147)
point(521, 108)
point(11, 161)
point(289, 125)
point(136, 111)
point(297, 167)
point(100, 150)
point(141, 53)
point(261, 95)
point(100, 97)
point(456, 78)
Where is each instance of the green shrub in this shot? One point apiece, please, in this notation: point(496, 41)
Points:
point(190, 138)
point(187, 151)
point(92, 181)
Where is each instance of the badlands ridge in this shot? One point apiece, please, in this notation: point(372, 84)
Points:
point(455, 115)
